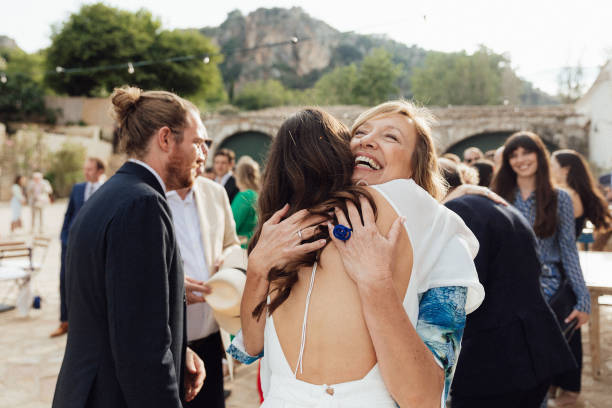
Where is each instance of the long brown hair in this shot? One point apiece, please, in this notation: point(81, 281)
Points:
point(504, 182)
point(309, 166)
point(580, 179)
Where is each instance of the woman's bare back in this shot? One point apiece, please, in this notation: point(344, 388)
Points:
point(338, 346)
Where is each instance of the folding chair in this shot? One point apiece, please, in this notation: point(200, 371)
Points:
point(14, 276)
point(35, 260)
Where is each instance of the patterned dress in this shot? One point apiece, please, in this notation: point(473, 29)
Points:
point(558, 249)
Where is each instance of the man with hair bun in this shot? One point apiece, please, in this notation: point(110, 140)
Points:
point(124, 275)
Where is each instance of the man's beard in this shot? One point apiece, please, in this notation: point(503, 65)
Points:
point(179, 174)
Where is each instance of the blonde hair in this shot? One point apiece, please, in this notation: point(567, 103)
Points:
point(247, 173)
point(424, 161)
point(140, 114)
point(468, 173)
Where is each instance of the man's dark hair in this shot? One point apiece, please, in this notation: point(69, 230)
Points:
point(485, 171)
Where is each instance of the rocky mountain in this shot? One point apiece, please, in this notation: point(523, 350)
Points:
point(297, 49)
point(250, 46)
point(8, 42)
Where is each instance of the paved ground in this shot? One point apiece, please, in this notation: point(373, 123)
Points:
point(30, 360)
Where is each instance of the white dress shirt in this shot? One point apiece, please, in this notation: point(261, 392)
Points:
point(200, 319)
point(146, 166)
point(91, 188)
point(223, 180)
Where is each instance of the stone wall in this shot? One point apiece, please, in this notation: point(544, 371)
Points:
point(91, 111)
point(560, 125)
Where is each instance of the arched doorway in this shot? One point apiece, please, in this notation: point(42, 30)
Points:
point(487, 141)
point(251, 143)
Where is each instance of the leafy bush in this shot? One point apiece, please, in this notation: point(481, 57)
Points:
point(65, 168)
point(262, 94)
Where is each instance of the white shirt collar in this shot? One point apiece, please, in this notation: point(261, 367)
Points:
point(223, 180)
point(173, 195)
point(146, 166)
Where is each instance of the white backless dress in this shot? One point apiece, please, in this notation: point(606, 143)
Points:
point(443, 253)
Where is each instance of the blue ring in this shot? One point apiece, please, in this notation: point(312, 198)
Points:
point(342, 232)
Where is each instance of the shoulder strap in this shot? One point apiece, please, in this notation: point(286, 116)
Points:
point(303, 340)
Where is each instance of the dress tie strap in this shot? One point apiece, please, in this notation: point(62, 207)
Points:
point(303, 341)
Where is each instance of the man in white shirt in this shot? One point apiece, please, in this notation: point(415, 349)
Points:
point(205, 231)
point(93, 171)
point(223, 163)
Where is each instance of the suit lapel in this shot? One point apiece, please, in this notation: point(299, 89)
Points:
point(199, 196)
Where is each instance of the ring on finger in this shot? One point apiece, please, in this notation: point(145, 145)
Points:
point(299, 232)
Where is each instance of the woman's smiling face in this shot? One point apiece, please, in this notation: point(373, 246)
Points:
point(383, 147)
point(523, 162)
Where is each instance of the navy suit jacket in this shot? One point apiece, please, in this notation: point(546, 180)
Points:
point(125, 293)
point(231, 188)
point(77, 198)
point(512, 341)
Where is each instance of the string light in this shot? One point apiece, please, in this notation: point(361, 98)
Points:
point(205, 58)
point(3, 78)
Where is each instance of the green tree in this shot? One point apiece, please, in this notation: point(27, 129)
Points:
point(262, 94)
point(460, 79)
point(376, 78)
point(21, 92)
point(336, 87)
point(570, 81)
point(99, 35)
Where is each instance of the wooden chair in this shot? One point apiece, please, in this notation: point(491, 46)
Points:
point(36, 258)
point(14, 276)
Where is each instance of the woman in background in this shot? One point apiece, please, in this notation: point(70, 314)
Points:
point(17, 201)
point(524, 180)
point(571, 173)
point(248, 180)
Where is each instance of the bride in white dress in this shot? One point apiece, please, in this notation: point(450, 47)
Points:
point(371, 321)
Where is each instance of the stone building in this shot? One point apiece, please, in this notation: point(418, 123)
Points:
point(596, 104)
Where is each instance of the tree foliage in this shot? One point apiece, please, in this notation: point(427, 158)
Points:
point(99, 35)
point(21, 91)
point(570, 81)
point(376, 78)
point(65, 168)
point(460, 79)
point(336, 87)
point(371, 82)
point(262, 94)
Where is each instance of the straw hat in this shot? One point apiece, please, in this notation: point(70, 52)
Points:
point(227, 286)
point(235, 257)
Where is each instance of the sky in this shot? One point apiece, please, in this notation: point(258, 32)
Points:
point(540, 36)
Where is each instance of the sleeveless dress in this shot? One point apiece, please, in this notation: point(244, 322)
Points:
point(443, 253)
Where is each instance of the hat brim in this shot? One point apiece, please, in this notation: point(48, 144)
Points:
point(227, 287)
